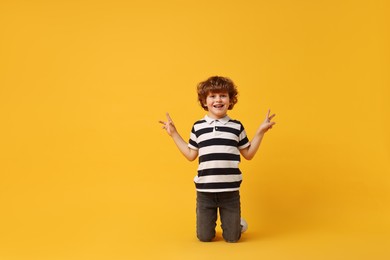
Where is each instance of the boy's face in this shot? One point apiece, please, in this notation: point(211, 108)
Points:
point(217, 104)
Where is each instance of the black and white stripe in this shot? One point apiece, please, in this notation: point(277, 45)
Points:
point(218, 143)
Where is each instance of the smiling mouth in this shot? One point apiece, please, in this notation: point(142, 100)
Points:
point(219, 106)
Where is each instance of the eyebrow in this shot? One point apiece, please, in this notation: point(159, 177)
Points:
point(218, 92)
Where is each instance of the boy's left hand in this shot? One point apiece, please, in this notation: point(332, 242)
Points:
point(267, 124)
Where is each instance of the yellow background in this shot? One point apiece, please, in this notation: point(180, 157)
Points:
point(87, 173)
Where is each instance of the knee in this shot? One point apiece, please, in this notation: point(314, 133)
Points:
point(232, 241)
point(205, 237)
point(232, 237)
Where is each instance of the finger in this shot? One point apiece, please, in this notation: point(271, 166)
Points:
point(268, 117)
point(271, 116)
point(169, 118)
point(161, 122)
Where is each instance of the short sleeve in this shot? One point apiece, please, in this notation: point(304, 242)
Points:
point(243, 141)
point(192, 143)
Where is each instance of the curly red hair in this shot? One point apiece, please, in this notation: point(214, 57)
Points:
point(217, 84)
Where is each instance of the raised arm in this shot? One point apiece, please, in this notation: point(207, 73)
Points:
point(249, 152)
point(169, 126)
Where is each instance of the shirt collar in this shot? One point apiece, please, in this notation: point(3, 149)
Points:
point(223, 120)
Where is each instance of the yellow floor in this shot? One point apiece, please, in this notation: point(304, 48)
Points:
point(112, 237)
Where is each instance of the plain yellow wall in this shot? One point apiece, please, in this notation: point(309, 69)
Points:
point(85, 166)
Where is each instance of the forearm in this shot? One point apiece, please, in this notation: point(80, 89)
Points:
point(250, 151)
point(183, 147)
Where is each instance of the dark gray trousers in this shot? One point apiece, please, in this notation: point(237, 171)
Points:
point(229, 206)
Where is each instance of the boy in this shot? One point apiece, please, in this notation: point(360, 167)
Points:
point(218, 141)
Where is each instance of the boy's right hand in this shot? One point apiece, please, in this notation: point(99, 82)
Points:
point(168, 126)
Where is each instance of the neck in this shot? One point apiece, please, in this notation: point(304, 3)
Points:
point(216, 117)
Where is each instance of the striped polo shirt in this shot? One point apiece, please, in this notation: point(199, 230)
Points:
point(218, 142)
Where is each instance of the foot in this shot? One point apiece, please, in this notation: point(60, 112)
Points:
point(244, 225)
